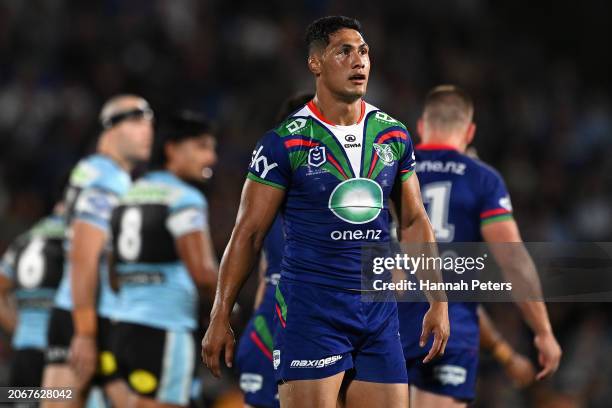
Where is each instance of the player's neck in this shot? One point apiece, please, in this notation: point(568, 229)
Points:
point(444, 141)
point(116, 157)
point(337, 111)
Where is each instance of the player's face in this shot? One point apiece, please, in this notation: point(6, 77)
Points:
point(135, 138)
point(345, 64)
point(194, 155)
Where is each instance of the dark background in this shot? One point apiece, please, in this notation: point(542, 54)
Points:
point(539, 74)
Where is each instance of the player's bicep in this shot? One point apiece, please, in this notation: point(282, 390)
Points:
point(87, 242)
point(259, 205)
point(411, 206)
point(500, 231)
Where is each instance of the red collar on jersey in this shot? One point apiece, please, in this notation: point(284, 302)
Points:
point(435, 146)
point(320, 116)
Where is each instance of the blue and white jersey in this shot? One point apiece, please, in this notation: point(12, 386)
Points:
point(156, 288)
point(95, 186)
point(461, 194)
point(34, 264)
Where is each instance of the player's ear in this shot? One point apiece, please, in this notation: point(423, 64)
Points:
point(314, 63)
point(470, 132)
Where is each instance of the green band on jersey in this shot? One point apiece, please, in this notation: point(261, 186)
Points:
point(503, 217)
point(258, 179)
point(263, 331)
point(407, 175)
point(281, 302)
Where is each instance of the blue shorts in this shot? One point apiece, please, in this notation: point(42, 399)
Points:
point(453, 375)
point(254, 356)
point(321, 331)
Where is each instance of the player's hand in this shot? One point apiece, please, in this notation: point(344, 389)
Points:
point(218, 338)
point(549, 354)
point(436, 322)
point(83, 357)
point(520, 370)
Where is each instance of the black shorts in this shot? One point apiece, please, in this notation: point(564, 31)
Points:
point(60, 335)
point(156, 363)
point(27, 368)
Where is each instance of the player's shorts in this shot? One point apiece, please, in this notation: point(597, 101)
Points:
point(453, 375)
point(254, 357)
point(321, 331)
point(59, 336)
point(156, 363)
point(27, 368)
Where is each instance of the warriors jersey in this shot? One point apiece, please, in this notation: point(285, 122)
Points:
point(337, 181)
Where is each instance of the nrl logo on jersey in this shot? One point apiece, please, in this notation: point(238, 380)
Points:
point(385, 153)
point(316, 156)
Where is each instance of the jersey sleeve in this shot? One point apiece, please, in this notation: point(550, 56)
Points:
point(270, 162)
point(407, 161)
point(188, 214)
point(496, 205)
point(95, 206)
point(7, 263)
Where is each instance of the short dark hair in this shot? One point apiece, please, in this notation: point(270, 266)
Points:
point(176, 128)
point(447, 106)
point(292, 103)
point(318, 32)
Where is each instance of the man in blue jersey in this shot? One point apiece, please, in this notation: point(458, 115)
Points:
point(254, 353)
point(79, 327)
point(31, 270)
point(162, 255)
point(467, 201)
point(329, 168)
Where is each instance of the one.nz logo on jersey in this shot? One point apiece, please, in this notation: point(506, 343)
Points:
point(356, 201)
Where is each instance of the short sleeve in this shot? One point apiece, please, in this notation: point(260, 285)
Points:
point(7, 263)
point(496, 205)
point(407, 161)
point(270, 162)
point(95, 206)
point(187, 214)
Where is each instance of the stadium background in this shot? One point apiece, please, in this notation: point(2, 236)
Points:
point(539, 74)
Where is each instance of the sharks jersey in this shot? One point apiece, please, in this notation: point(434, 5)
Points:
point(337, 181)
point(156, 288)
point(461, 195)
point(95, 186)
point(34, 263)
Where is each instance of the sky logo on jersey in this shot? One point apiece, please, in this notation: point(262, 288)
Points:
point(324, 362)
point(385, 153)
point(259, 159)
point(316, 156)
point(356, 201)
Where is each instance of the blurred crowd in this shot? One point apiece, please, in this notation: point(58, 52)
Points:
point(539, 76)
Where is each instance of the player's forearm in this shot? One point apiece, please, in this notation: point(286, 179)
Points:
point(236, 264)
point(84, 284)
point(489, 336)
point(536, 316)
point(8, 316)
point(418, 239)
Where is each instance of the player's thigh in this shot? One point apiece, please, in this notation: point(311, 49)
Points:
point(321, 393)
point(424, 399)
point(363, 394)
point(156, 365)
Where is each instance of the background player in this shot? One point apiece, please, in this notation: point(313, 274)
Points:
point(163, 254)
point(464, 206)
point(254, 353)
point(31, 270)
point(320, 315)
point(80, 324)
